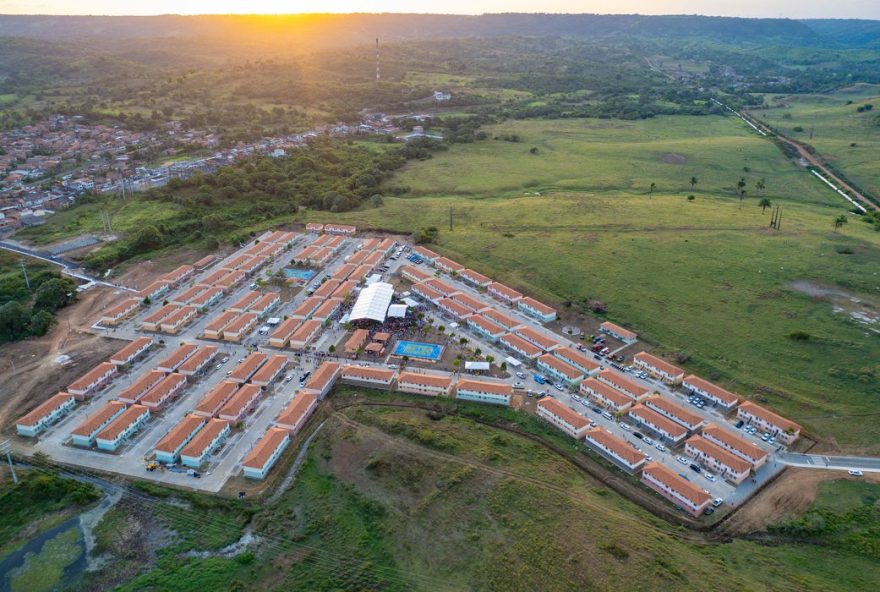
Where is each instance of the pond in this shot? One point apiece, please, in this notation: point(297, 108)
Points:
point(49, 561)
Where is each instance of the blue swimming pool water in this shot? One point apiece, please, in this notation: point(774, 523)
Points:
point(299, 274)
point(419, 350)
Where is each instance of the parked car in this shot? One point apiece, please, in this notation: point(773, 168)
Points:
point(855, 473)
point(648, 441)
point(740, 424)
point(638, 435)
point(625, 426)
point(683, 460)
point(521, 375)
point(596, 409)
point(717, 502)
point(709, 476)
point(695, 468)
point(660, 447)
point(709, 511)
point(558, 386)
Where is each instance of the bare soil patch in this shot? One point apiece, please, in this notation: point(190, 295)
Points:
point(673, 158)
point(789, 496)
point(31, 371)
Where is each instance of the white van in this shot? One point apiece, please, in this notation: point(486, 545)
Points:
point(607, 415)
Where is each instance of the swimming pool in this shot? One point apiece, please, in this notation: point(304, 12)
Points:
point(418, 350)
point(301, 275)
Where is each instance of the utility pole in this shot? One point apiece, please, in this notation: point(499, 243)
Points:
point(450, 219)
point(778, 225)
point(27, 281)
point(5, 449)
point(377, 60)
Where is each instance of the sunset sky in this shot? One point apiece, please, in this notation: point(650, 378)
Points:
point(869, 9)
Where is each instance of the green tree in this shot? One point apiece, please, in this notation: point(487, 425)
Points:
point(14, 319)
point(54, 294)
point(40, 322)
point(840, 221)
point(764, 203)
point(652, 188)
point(693, 182)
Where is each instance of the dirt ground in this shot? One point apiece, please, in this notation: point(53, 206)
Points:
point(790, 495)
point(30, 371)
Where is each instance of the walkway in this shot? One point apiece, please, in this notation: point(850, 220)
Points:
point(841, 463)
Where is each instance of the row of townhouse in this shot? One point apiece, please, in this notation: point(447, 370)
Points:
point(123, 427)
point(675, 488)
point(652, 421)
point(624, 335)
point(271, 446)
point(204, 443)
point(560, 370)
point(563, 417)
point(606, 396)
point(45, 414)
point(658, 368)
point(132, 351)
point(784, 430)
point(614, 449)
point(116, 314)
point(525, 304)
point(168, 449)
point(93, 380)
point(722, 462)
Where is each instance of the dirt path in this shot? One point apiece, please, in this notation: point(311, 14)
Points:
point(816, 161)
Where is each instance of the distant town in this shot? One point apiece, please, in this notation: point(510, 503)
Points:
point(49, 165)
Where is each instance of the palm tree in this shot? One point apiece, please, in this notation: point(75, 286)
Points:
point(764, 203)
point(693, 182)
point(741, 188)
point(761, 185)
point(651, 190)
point(840, 221)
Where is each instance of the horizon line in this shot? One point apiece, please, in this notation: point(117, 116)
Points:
point(450, 14)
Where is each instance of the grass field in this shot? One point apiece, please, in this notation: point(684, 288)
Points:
point(389, 499)
point(609, 156)
point(846, 138)
point(704, 277)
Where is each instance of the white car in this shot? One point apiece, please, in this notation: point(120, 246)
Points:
point(520, 375)
point(709, 476)
point(682, 460)
point(625, 426)
point(855, 473)
point(648, 441)
point(717, 502)
point(393, 366)
point(660, 447)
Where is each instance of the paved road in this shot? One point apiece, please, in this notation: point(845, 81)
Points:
point(818, 461)
point(67, 267)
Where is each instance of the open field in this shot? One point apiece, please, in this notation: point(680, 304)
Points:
point(600, 155)
point(705, 278)
point(831, 123)
point(391, 499)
